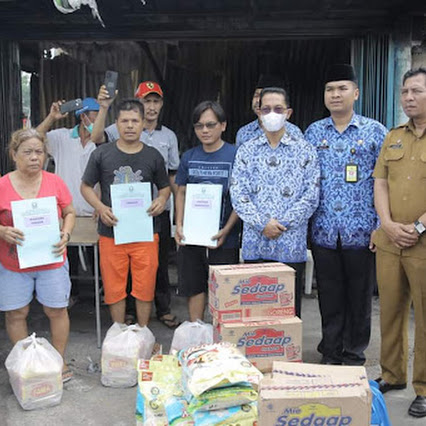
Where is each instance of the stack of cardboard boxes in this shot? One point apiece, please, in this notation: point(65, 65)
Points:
point(252, 305)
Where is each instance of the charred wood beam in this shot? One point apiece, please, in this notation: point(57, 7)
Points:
point(145, 47)
point(283, 30)
point(252, 21)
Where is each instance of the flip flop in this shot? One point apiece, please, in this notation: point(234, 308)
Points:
point(130, 319)
point(67, 375)
point(171, 323)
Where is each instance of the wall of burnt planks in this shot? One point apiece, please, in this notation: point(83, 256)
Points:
point(189, 72)
point(10, 99)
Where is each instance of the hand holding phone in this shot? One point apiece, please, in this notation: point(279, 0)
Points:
point(111, 79)
point(69, 106)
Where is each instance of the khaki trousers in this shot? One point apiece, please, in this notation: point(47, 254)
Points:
point(402, 281)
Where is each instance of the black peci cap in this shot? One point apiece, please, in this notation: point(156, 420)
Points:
point(339, 72)
point(269, 80)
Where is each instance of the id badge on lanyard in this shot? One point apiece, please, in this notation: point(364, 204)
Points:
point(351, 171)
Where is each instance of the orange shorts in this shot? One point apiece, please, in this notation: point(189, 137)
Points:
point(115, 261)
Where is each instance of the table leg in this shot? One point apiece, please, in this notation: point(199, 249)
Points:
point(97, 301)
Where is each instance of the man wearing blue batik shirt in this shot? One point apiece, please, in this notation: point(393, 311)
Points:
point(275, 190)
point(348, 146)
point(254, 129)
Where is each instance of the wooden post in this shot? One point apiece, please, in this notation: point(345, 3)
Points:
point(10, 98)
point(402, 42)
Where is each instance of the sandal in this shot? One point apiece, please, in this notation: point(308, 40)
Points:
point(67, 375)
point(130, 319)
point(171, 323)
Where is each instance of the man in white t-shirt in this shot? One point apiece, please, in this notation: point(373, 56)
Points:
point(70, 150)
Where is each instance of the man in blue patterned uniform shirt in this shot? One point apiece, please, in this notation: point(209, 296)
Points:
point(348, 146)
point(254, 129)
point(275, 190)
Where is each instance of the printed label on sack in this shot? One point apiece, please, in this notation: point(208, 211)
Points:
point(313, 414)
point(143, 364)
point(41, 389)
point(117, 364)
point(146, 376)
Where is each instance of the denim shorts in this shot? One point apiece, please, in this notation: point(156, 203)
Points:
point(52, 288)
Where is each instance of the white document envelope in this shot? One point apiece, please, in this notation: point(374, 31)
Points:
point(201, 221)
point(129, 202)
point(38, 219)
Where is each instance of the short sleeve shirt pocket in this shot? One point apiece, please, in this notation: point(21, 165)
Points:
point(394, 162)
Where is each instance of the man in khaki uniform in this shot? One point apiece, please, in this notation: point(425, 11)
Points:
point(400, 199)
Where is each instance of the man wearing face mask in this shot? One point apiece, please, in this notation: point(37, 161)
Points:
point(71, 149)
point(348, 145)
point(275, 190)
point(254, 129)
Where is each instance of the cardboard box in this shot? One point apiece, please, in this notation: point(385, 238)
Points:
point(263, 342)
point(310, 394)
point(251, 292)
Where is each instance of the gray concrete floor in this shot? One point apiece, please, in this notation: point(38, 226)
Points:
point(86, 402)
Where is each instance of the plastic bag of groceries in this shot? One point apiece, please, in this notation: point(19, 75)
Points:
point(222, 398)
point(207, 367)
point(122, 346)
point(190, 334)
point(35, 373)
point(159, 390)
point(241, 415)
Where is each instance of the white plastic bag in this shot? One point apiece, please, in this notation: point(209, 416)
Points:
point(121, 349)
point(190, 334)
point(35, 373)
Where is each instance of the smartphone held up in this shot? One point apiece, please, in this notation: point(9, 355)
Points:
point(110, 82)
point(70, 106)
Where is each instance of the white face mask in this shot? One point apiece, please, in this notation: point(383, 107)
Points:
point(273, 122)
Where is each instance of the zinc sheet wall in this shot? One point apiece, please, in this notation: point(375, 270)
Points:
point(193, 71)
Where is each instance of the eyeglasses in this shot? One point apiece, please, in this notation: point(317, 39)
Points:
point(210, 125)
point(278, 109)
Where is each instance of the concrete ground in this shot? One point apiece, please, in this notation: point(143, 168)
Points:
point(86, 402)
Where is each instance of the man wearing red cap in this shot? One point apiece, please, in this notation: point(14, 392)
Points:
point(164, 140)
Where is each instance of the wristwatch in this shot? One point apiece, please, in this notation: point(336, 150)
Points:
point(419, 227)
